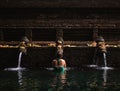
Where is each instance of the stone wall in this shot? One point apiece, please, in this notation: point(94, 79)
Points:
point(58, 3)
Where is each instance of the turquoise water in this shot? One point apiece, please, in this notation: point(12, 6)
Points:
point(71, 80)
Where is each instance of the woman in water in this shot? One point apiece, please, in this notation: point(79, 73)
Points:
point(59, 64)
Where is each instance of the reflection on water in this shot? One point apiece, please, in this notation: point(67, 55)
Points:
point(20, 77)
point(72, 80)
point(105, 77)
point(58, 82)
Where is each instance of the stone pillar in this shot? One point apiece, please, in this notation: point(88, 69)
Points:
point(28, 33)
point(1, 35)
point(95, 32)
point(59, 34)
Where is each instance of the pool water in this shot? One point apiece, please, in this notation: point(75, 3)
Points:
point(71, 80)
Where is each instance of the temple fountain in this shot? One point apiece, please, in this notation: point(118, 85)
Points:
point(44, 21)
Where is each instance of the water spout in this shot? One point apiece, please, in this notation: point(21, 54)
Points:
point(19, 60)
point(105, 61)
point(105, 64)
point(19, 64)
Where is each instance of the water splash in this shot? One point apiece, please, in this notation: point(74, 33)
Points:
point(67, 68)
point(92, 66)
point(105, 68)
point(105, 64)
point(105, 61)
point(18, 66)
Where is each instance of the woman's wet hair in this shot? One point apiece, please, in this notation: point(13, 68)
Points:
point(59, 54)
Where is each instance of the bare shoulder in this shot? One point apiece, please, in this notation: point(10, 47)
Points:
point(62, 59)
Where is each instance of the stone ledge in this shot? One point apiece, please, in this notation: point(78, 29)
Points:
point(58, 3)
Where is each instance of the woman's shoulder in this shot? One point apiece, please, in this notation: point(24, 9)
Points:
point(62, 59)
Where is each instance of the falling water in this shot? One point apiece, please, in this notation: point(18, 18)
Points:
point(19, 60)
point(105, 61)
point(18, 66)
